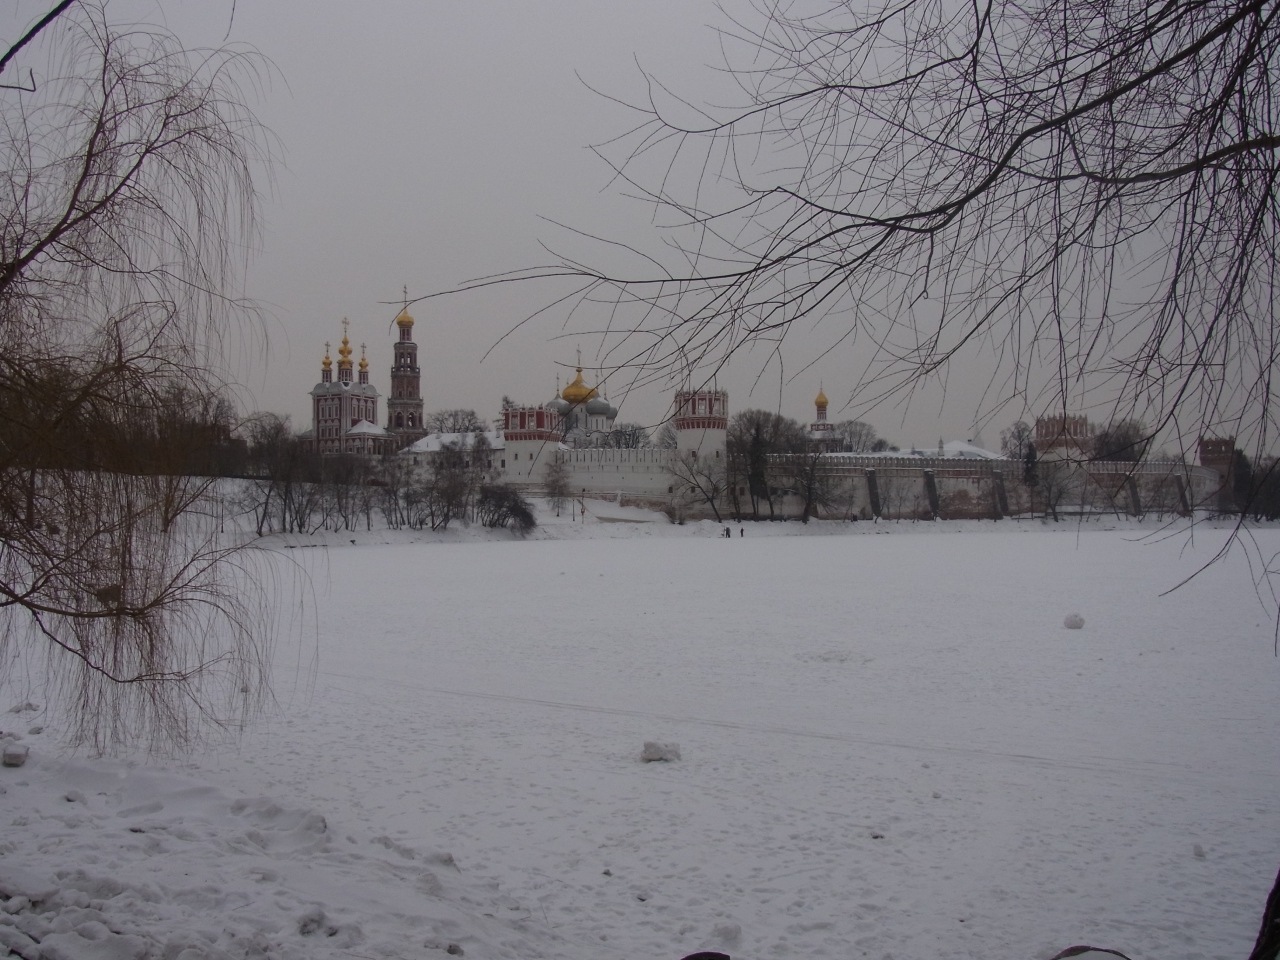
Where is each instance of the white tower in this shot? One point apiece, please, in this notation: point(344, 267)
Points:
point(702, 423)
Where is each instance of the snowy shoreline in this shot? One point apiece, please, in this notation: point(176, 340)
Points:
point(887, 750)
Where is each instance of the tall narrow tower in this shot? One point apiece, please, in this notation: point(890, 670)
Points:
point(404, 406)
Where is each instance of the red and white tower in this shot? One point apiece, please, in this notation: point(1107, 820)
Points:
point(702, 423)
point(404, 405)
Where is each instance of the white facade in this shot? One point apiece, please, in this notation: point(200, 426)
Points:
point(571, 429)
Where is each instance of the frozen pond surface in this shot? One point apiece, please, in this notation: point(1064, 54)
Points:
point(891, 747)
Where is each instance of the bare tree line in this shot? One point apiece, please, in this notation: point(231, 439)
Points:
point(292, 489)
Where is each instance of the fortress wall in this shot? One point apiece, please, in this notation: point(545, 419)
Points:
point(904, 488)
point(988, 489)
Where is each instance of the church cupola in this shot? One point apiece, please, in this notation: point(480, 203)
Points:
point(364, 366)
point(822, 435)
point(344, 356)
point(326, 366)
point(405, 323)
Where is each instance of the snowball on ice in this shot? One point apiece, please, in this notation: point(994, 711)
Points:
point(14, 754)
point(657, 750)
point(1073, 622)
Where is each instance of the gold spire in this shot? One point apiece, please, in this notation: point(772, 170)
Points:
point(364, 364)
point(326, 363)
point(821, 399)
point(344, 351)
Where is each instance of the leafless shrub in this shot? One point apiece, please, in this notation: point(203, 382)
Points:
point(698, 481)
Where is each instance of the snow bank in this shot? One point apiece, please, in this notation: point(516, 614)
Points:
point(103, 860)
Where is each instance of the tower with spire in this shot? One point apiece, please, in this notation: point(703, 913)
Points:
point(404, 405)
point(822, 434)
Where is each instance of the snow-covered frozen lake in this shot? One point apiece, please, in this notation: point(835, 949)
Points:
point(891, 747)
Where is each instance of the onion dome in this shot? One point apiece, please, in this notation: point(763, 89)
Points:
point(326, 363)
point(364, 363)
point(556, 404)
point(404, 320)
point(821, 399)
point(598, 406)
point(344, 351)
point(577, 391)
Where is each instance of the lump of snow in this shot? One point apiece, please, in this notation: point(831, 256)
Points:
point(1197, 851)
point(74, 945)
point(18, 942)
point(311, 921)
point(657, 750)
point(1073, 622)
point(16, 881)
point(14, 755)
point(23, 707)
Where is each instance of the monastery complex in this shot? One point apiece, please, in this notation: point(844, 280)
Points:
point(570, 430)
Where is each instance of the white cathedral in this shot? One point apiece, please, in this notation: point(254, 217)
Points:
point(526, 439)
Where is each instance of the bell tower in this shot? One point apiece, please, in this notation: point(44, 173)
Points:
point(404, 405)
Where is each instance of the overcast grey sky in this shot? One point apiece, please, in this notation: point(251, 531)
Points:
point(425, 144)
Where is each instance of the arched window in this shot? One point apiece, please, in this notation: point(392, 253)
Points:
point(399, 419)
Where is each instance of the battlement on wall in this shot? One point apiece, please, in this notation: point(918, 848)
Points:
point(702, 410)
point(1064, 433)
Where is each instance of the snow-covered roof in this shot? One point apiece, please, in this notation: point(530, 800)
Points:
point(956, 450)
point(967, 451)
point(366, 429)
point(433, 442)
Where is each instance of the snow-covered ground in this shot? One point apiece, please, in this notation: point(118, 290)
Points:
point(890, 746)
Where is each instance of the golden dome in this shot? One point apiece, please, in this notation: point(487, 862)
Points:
point(344, 351)
point(404, 320)
point(821, 399)
point(326, 363)
point(578, 391)
point(364, 364)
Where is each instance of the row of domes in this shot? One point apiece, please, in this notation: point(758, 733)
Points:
point(577, 393)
